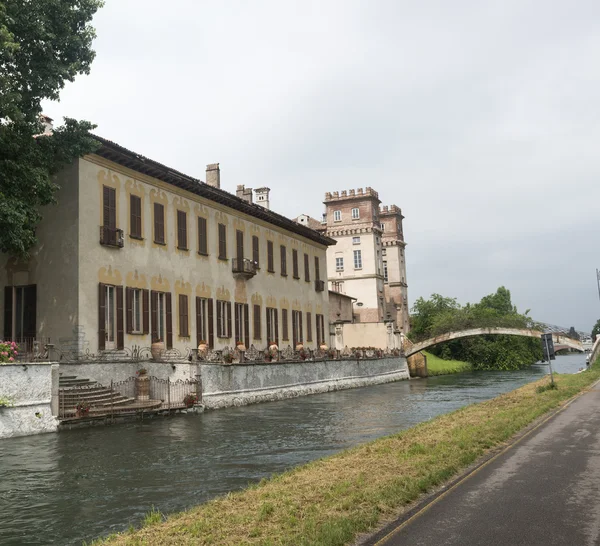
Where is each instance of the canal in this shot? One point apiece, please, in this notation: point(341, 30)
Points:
point(81, 484)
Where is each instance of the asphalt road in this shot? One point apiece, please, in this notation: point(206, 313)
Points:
point(543, 490)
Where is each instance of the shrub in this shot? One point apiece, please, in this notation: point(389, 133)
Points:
point(8, 352)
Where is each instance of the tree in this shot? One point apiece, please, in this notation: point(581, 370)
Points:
point(596, 330)
point(43, 45)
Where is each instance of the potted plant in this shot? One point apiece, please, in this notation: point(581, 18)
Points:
point(158, 350)
point(239, 345)
point(190, 399)
point(227, 357)
point(323, 346)
point(299, 346)
point(8, 352)
point(202, 347)
point(82, 408)
point(273, 351)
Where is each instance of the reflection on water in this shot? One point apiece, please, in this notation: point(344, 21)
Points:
point(78, 485)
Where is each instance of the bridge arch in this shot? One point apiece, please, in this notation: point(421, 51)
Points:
point(413, 348)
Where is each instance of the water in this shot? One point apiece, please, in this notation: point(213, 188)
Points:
point(81, 484)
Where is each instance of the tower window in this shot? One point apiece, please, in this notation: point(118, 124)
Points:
point(337, 215)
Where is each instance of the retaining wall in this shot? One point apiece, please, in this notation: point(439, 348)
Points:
point(241, 384)
point(33, 392)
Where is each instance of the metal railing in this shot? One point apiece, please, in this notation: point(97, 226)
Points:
point(243, 266)
point(111, 237)
point(30, 349)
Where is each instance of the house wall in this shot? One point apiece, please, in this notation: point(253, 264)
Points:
point(145, 264)
point(340, 307)
point(365, 335)
point(53, 265)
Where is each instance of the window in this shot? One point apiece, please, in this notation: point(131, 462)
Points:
point(339, 263)
point(223, 318)
point(255, 251)
point(159, 224)
point(222, 242)
point(257, 325)
point(184, 322)
point(109, 316)
point(320, 320)
point(283, 261)
point(20, 304)
point(308, 327)
point(202, 236)
point(161, 317)
point(357, 259)
point(355, 214)
point(109, 214)
point(356, 240)
point(181, 230)
point(270, 260)
point(338, 286)
point(242, 328)
point(135, 220)
point(317, 271)
point(295, 264)
point(136, 305)
point(382, 227)
point(272, 325)
point(384, 251)
point(284, 325)
point(239, 246)
point(337, 215)
point(204, 319)
point(385, 271)
point(306, 268)
point(296, 328)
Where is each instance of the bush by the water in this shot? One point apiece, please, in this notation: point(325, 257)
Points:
point(439, 315)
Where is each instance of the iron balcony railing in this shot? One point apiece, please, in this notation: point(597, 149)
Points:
point(319, 286)
point(243, 267)
point(111, 237)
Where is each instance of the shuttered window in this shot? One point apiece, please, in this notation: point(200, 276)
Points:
point(182, 230)
point(295, 264)
point(284, 325)
point(159, 223)
point(296, 327)
point(135, 213)
point(136, 311)
point(308, 327)
point(255, 251)
point(202, 237)
point(283, 261)
point(239, 246)
point(306, 268)
point(184, 330)
point(222, 242)
point(320, 329)
point(272, 325)
point(242, 326)
point(317, 270)
point(256, 321)
point(109, 207)
point(270, 260)
point(204, 321)
point(223, 318)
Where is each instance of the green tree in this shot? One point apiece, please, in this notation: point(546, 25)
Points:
point(43, 45)
point(596, 329)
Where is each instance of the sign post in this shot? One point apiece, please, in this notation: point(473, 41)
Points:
point(548, 349)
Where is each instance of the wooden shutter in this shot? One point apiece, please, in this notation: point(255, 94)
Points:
point(120, 333)
point(284, 325)
point(135, 216)
point(317, 271)
point(308, 327)
point(306, 268)
point(8, 312)
point(169, 312)
point(239, 335)
point(129, 310)
point(295, 264)
point(154, 314)
point(270, 261)
point(247, 325)
point(220, 319)
point(300, 333)
point(239, 243)
point(211, 333)
point(183, 316)
point(229, 319)
point(145, 311)
point(269, 324)
point(101, 316)
point(256, 316)
point(222, 242)
point(29, 312)
point(283, 261)
point(294, 329)
point(202, 236)
point(181, 230)
point(110, 207)
point(255, 251)
point(276, 327)
point(159, 223)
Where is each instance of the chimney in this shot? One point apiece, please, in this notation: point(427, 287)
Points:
point(262, 197)
point(213, 175)
point(244, 193)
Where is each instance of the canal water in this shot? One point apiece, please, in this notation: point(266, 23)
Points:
point(81, 484)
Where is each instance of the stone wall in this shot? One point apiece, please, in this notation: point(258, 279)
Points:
point(33, 392)
point(236, 385)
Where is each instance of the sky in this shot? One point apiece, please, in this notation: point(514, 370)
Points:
point(480, 119)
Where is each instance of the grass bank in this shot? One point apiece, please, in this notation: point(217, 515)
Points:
point(330, 501)
point(439, 366)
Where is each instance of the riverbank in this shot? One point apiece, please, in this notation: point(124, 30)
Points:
point(439, 366)
point(332, 500)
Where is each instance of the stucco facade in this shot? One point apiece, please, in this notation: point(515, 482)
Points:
point(212, 271)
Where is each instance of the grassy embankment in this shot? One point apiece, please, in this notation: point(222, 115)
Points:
point(439, 366)
point(332, 500)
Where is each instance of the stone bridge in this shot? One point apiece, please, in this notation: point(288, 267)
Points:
point(413, 348)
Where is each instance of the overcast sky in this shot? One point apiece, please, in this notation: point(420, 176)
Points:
point(479, 119)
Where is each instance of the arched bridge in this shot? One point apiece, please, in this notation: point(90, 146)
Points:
point(412, 348)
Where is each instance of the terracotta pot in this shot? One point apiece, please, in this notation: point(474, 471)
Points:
point(142, 387)
point(323, 347)
point(202, 347)
point(299, 347)
point(158, 350)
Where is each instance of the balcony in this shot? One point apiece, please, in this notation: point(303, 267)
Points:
point(111, 237)
point(319, 286)
point(243, 268)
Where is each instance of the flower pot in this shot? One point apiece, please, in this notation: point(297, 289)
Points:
point(142, 387)
point(299, 347)
point(323, 347)
point(158, 350)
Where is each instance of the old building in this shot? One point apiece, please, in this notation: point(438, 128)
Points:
point(136, 252)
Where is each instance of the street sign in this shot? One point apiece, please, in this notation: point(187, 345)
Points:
point(548, 347)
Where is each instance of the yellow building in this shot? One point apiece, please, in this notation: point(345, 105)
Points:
point(136, 252)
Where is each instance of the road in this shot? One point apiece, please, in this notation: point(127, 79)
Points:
point(545, 490)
